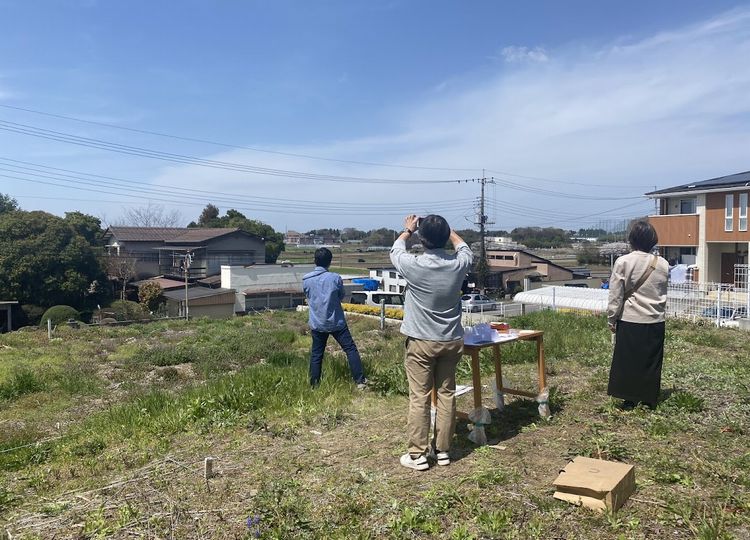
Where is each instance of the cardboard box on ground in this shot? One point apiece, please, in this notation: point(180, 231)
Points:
point(595, 483)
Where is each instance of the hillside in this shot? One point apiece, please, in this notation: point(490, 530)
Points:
point(104, 433)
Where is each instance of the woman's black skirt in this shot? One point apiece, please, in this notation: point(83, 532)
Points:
point(635, 374)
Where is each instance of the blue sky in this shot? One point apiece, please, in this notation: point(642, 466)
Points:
point(594, 100)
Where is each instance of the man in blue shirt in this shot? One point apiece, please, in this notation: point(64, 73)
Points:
point(324, 291)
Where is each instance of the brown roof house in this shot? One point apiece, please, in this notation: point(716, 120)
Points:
point(705, 224)
point(161, 251)
point(509, 267)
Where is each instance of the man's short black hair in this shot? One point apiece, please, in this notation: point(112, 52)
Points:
point(434, 231)
point(642, 236)
point(323, 257)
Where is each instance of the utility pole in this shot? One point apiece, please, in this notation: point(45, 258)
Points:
point(482, 266)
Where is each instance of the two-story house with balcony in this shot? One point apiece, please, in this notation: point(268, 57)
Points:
point(705, 224)
point(160, 251)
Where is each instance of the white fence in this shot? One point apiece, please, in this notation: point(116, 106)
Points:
point(722, 304)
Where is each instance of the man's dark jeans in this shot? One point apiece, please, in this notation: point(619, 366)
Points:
point(344, 338)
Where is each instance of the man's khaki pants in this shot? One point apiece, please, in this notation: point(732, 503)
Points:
point(431, 364)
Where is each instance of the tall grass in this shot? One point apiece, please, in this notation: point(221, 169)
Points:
point(21, 381)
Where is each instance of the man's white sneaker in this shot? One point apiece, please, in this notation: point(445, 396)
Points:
point(419, 464)
point(443, 459)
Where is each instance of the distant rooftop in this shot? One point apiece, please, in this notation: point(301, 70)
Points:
point(185, 235)
point(729, 181)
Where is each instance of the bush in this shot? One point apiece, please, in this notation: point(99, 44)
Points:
point(29, 315)
point(150, 295)
point(390, 313)
point(125, 310)
point(59, 314)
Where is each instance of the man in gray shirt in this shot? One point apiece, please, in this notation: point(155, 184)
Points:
point(432, 324)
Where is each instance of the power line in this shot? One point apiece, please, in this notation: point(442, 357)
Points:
point(570, 217)
point(33, 131)
point(160, 196)
point(96, 180)
point(547, 192)
point(236, 146)
point(558, 181)
point(306, 156)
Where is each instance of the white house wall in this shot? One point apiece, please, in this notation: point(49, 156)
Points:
point(270, 277)
point(390, 280)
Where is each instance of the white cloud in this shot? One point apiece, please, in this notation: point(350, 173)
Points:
point(516, 54)
point(658, 111)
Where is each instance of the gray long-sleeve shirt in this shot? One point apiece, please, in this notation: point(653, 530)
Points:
point(432, 307)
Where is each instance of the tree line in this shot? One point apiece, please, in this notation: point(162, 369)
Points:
point(48, 260)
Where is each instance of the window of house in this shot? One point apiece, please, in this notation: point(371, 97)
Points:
point(729, 212)
point(742, 225)
point(687, 206)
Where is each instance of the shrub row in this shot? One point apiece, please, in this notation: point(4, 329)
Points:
point(391, 313)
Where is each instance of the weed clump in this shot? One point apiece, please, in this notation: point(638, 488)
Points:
point(22, 381)
point(684, 401)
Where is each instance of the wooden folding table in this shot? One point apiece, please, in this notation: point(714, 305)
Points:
point(520, 335)
point(473, 350)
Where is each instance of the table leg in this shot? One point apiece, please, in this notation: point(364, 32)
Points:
point(476, 378)
point(540, 363)
point(498, 368)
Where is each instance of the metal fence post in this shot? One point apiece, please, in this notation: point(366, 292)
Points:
point(718, 306)
point(554, 299)
point(382, 314)
point(49, 328)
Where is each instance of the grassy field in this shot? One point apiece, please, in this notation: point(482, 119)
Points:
point(104, 432)
point(347, 257)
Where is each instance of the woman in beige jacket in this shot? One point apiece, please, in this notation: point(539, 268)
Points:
point(635, 313)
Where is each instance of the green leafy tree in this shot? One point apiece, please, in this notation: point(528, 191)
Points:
point(469, 235)
point(381, 237)
point(350, 233)
point(150, 295)
point(45, 261)
point(233, 218)
point(539, 237)
point(591, 233)
point(333, 233)
point(589, 254)
point(89, 227)
point(209, 216)
point(7, 204)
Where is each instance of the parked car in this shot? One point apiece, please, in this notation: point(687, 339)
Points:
point(373, 298)
point(477, 302)
point(726, 312)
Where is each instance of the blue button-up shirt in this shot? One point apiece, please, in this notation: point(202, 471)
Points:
point(324, 291)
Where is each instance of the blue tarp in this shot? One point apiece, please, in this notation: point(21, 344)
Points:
point(368, 284)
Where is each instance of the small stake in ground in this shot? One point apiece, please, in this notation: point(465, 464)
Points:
point(208, 468)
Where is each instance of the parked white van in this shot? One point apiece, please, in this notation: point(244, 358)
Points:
point(373, 298)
